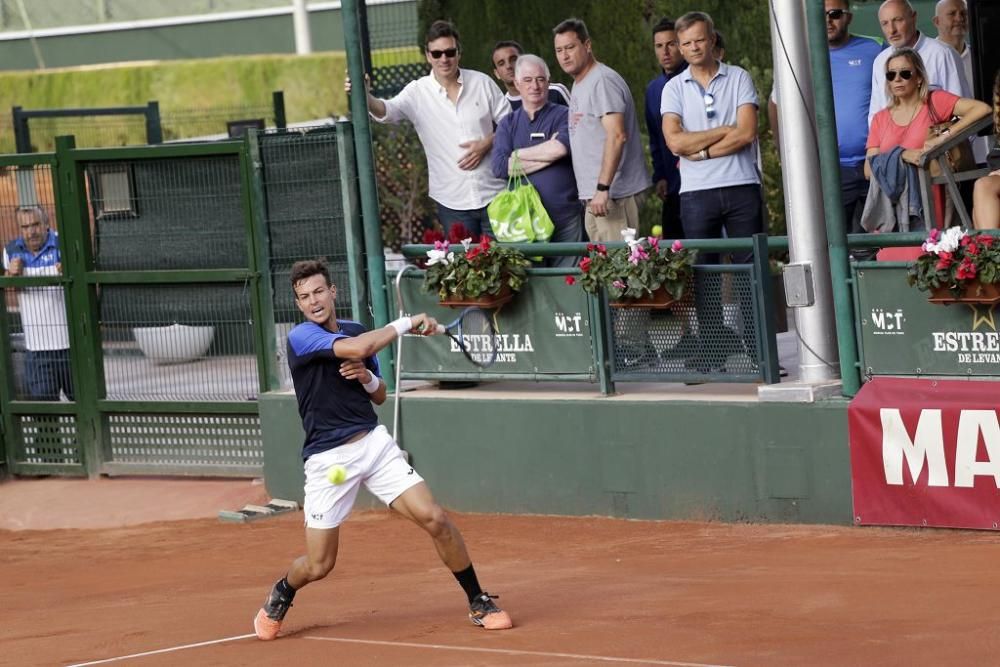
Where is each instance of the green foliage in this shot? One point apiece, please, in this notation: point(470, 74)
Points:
point(955, 260)
point(479, 270)
point(638, 269)
point(622, 39)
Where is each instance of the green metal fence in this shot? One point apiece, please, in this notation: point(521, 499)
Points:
point(172, 296)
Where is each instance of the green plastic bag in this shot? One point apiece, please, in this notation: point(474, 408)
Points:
point(516, 214)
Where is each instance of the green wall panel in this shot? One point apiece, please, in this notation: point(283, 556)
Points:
point(761, 462)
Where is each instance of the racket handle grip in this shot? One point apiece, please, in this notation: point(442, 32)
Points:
point(440, 329)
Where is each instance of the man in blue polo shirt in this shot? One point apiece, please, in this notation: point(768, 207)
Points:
point(538, 132)
point(710, 121)
point(43, 309)
point(505, 55)
point(666, 176)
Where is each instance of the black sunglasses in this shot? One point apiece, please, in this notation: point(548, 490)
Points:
point(835, 14)
point(451, 53)
point(904, 74)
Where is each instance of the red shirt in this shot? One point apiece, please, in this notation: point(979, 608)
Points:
point(885, 134)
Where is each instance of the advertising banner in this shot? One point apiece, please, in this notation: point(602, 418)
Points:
point(926, 453)
point(545, 330)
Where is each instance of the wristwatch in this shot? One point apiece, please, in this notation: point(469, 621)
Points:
point(603, 187)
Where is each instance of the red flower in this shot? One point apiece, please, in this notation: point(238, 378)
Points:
point(966, 270)
point(591, 247)
point(966, 240)
point(570, 280)
point(474, 252)
point(432, 235)
point(602, 250)
point(585, 264)
point(984, 240)
point(972, 249)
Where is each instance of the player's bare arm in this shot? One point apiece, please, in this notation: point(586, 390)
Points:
point(356, 370)
point(371, 342)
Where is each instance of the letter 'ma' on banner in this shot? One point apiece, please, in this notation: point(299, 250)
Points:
point(926, 453)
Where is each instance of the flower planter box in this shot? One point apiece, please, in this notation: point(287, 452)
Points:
point(988, 293)
point(659, 300)
point(485, 301)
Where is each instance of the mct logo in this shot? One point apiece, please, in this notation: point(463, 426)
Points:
point(888, 323)
point(569, 325)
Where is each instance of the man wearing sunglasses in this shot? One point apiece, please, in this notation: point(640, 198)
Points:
point(455, 112)
point(898, 21)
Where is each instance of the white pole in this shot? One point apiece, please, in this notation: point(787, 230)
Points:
point(31, 35)
point(818, 355)
point(300, 18)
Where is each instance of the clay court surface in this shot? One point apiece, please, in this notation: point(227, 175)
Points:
point(582, 591)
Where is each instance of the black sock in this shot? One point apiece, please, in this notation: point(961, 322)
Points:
point(285, 588)
point(469, 582)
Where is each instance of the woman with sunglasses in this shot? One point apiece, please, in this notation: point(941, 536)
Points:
point(913, 109)
point(986, 197)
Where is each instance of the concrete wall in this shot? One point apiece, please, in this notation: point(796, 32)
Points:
point(609, 457)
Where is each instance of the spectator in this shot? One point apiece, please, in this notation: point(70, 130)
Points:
point(900, 132)
point(719, 51)
point(986, 197)
point(666, 176)
point(944, 68)
point(951, 21)
point(604, 137)
point(43, 309)
point(454, 112)
point(851, 62)
point(710, 120)
point(538, 133)
point(505, 55)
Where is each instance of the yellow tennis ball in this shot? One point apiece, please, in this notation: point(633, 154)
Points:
point(336, 474)
point(657, 230)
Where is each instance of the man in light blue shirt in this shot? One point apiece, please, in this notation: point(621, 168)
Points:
point(710, 122)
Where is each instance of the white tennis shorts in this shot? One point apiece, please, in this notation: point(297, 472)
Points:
point(375, 461)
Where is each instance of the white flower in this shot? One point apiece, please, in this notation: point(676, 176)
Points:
point(629, 235)
point(950, 241)
point(467, 243)
point(439, 256)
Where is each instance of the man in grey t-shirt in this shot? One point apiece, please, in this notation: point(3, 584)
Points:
point(608, 159)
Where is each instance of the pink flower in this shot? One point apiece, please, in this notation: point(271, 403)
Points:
point(677, 246)
point(654, 242)
point(570, 280)
point(935, 235)
point(638, 254)
point(441, 245)
point(618, 284)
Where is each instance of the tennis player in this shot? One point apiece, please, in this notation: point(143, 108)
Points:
point(336, 377)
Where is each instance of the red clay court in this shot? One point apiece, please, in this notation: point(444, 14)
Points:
point(582, 591)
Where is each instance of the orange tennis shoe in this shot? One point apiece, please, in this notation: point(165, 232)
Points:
point(267, 622)
point(485, 613)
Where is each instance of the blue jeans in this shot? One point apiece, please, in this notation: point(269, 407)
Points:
point(47, 372)
point(569, 229)
point(475, 220)
point(738, 209)
point(705, 213)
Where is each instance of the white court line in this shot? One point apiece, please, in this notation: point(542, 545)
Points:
point(164, 650)
point(503, 651)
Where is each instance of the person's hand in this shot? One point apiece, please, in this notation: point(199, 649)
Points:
point(355, 370)
point(347, 84)
point(423, 325)
point(476, 150)
point(912, 155)
point(661, 189)
point(59, 268)
point(598, 206)
point(15, 266)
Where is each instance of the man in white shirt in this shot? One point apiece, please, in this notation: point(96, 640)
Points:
point(951, 18)
point(454, 112)
point(898, 21)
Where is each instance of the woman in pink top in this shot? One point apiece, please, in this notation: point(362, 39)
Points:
point(986, 197)
point(908, 117)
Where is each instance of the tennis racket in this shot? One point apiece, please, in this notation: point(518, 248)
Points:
point(475, 335)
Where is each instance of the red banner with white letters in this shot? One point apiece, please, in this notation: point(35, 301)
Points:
point(926, 453)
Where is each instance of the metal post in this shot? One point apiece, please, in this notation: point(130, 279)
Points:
point(22, 134)
point(300, 21)
point(154, 129)
point(836, 230)
point(803, 197)
point(278, 102)
point(375, 255)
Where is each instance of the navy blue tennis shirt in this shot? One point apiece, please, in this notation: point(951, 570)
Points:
point(333, 408)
